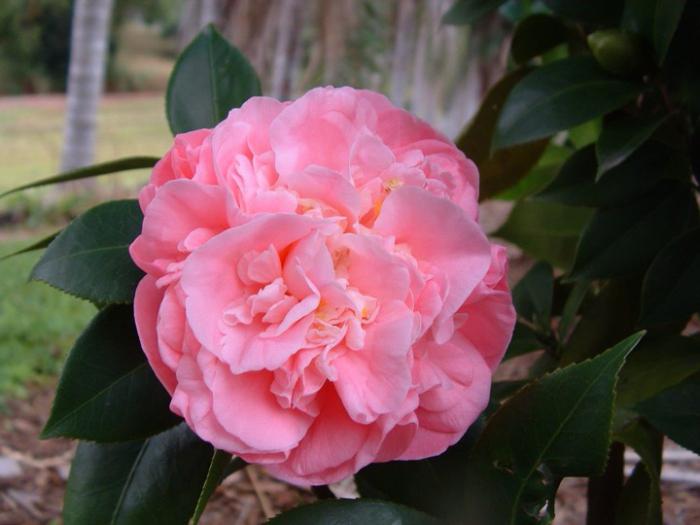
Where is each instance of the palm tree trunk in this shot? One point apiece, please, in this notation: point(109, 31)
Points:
point(89, 38)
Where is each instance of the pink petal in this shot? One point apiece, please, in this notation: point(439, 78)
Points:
point(180, 208)
point(370, 268)
point(375, 380)
point(326, 186)
point(441, 234)
point(209, 276)
point(247, 409)
point(146, 303)
point(490, 316)
point(327, 453)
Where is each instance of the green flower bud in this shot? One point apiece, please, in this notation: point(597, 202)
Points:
point(618, 52)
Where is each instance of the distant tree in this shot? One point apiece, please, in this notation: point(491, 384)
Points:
point(89, 39)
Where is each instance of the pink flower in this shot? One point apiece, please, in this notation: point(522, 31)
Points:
point(319, 294)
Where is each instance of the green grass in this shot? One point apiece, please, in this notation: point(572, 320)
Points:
point(38, 324)
point(31, 130)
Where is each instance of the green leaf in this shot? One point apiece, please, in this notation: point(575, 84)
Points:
point(621, 137)
point(640, 500)
point(584, 134)
point(432, 485)
point(353, 512)
point(571, 308)
point(219, 467)
point(107, 390)
point(623, 241)
point(540, 175)
point(590, 11)
point(501, 170)
point(558, 96)
point(97, 476)
point(544, 230)
point(524, 341)
point(657, 20)
point(671, 289)
point(666, 19)
point(469, 11)
point(676, 412)
point(557, 426)
point(607, 317)
point(152, 482)
point(90, 258)
point(130, 163)
point(576, 183)
point(658, 364)
point(38, 245)
point(532, 296)
point(535, 35)
point(210, 78)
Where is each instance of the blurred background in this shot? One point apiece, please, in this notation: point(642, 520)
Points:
point(83, 81)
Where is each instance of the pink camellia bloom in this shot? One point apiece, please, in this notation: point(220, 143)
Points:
point(319, 294)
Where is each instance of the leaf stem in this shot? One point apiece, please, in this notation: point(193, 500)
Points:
point(604, 491)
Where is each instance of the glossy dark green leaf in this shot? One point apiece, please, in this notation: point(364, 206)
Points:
point(640, 500)
point(608, 316)
point(105, 168)
point(558, 96)
point(38, 245)
point(152, 482)
point(532, 296)
point(671, 289)
point(571, 308)
point(220, 466)
point(90, 258)
point(590, 11)
point(556, 426)
point(535, 35)
point(657, 20)
point(576, 183)
point(623, 241)
point(469, 11)
point(544, 230)
point(621, 137)
point(353, 512)
point(666, 19)
point(432, 485)
point(659, 363)
point(524, 341)
point(540, 176)
point(676, 412)
point(210, 78)
point(504, 168)
point(107, 390)
point(97, 476)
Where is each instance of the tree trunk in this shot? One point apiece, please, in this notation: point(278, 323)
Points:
point(280, 62)
point(89, 37)
point(210, 13)
point(403, 46)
